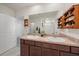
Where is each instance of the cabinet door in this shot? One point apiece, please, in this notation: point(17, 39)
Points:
point(75, 50)
point(67, 54)
point(24, 50)
point(49, 52)
point(35, 51)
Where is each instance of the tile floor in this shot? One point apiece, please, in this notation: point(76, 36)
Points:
point(12, 52)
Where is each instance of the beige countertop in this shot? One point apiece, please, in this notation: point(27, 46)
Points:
point(63, 40)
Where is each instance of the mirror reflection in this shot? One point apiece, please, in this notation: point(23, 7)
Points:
point(43, 23)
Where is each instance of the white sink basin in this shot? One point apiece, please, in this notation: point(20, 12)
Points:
point(56, 39)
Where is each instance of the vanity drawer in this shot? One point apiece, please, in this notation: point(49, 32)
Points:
point(38, 44)
point(46, 45)
point(56, 46)
point(49, 52)
point(29, 42)
point(64, 48)
point(60, 47)
point(75, 50)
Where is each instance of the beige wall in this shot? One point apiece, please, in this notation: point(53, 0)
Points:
point(8, 31)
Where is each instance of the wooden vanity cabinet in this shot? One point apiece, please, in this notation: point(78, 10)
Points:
point(35, 51)
point(75, 50)
point(49, 52)
point(36, 48)
point(24, 49)
point(67, 54)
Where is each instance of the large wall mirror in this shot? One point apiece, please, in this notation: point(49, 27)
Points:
point(43, 22)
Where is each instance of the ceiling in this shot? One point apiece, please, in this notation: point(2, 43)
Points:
point(17, 6)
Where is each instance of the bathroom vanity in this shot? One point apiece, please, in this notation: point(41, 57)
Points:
point(31, 45)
